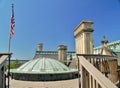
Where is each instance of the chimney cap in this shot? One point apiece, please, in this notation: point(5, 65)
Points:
point(40, 43)
point(62, 47)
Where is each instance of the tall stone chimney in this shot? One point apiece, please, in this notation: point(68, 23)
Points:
point(83, 38)
point(40, 46)
point(62, 54)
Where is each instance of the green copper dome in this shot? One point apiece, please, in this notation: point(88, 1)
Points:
point(43, 66)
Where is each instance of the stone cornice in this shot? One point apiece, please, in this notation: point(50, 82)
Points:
point(84, 30)
point(84, 21)
point(84, 26)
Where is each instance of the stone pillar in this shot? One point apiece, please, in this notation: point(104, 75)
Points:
point(62, 54)
point(40, 46)
point(83, 38)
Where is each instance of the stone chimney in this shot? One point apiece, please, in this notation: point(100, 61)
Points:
point(83, 38)
point(62, 53)
point(40, 46)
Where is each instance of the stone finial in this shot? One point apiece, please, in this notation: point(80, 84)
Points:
point(105, 50)
point(104, 41)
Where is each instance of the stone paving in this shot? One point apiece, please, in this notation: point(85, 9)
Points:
point(51, 84)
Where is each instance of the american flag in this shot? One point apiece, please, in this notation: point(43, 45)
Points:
point(12, 23)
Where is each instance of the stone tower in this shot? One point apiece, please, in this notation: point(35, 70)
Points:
point(62, 54)
point(40, 46)
point(83, 38)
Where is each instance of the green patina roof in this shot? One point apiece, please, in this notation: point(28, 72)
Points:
point(43, 66)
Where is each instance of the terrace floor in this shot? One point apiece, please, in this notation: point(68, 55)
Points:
point(73, 83)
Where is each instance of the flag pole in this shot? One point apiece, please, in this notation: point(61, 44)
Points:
point(9, 43)
point(9, 63)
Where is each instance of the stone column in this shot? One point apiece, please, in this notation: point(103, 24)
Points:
point(62, 54)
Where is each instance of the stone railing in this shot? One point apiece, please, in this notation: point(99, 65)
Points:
point(91, 77)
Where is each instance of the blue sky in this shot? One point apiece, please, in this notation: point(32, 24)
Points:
point(52, 22)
